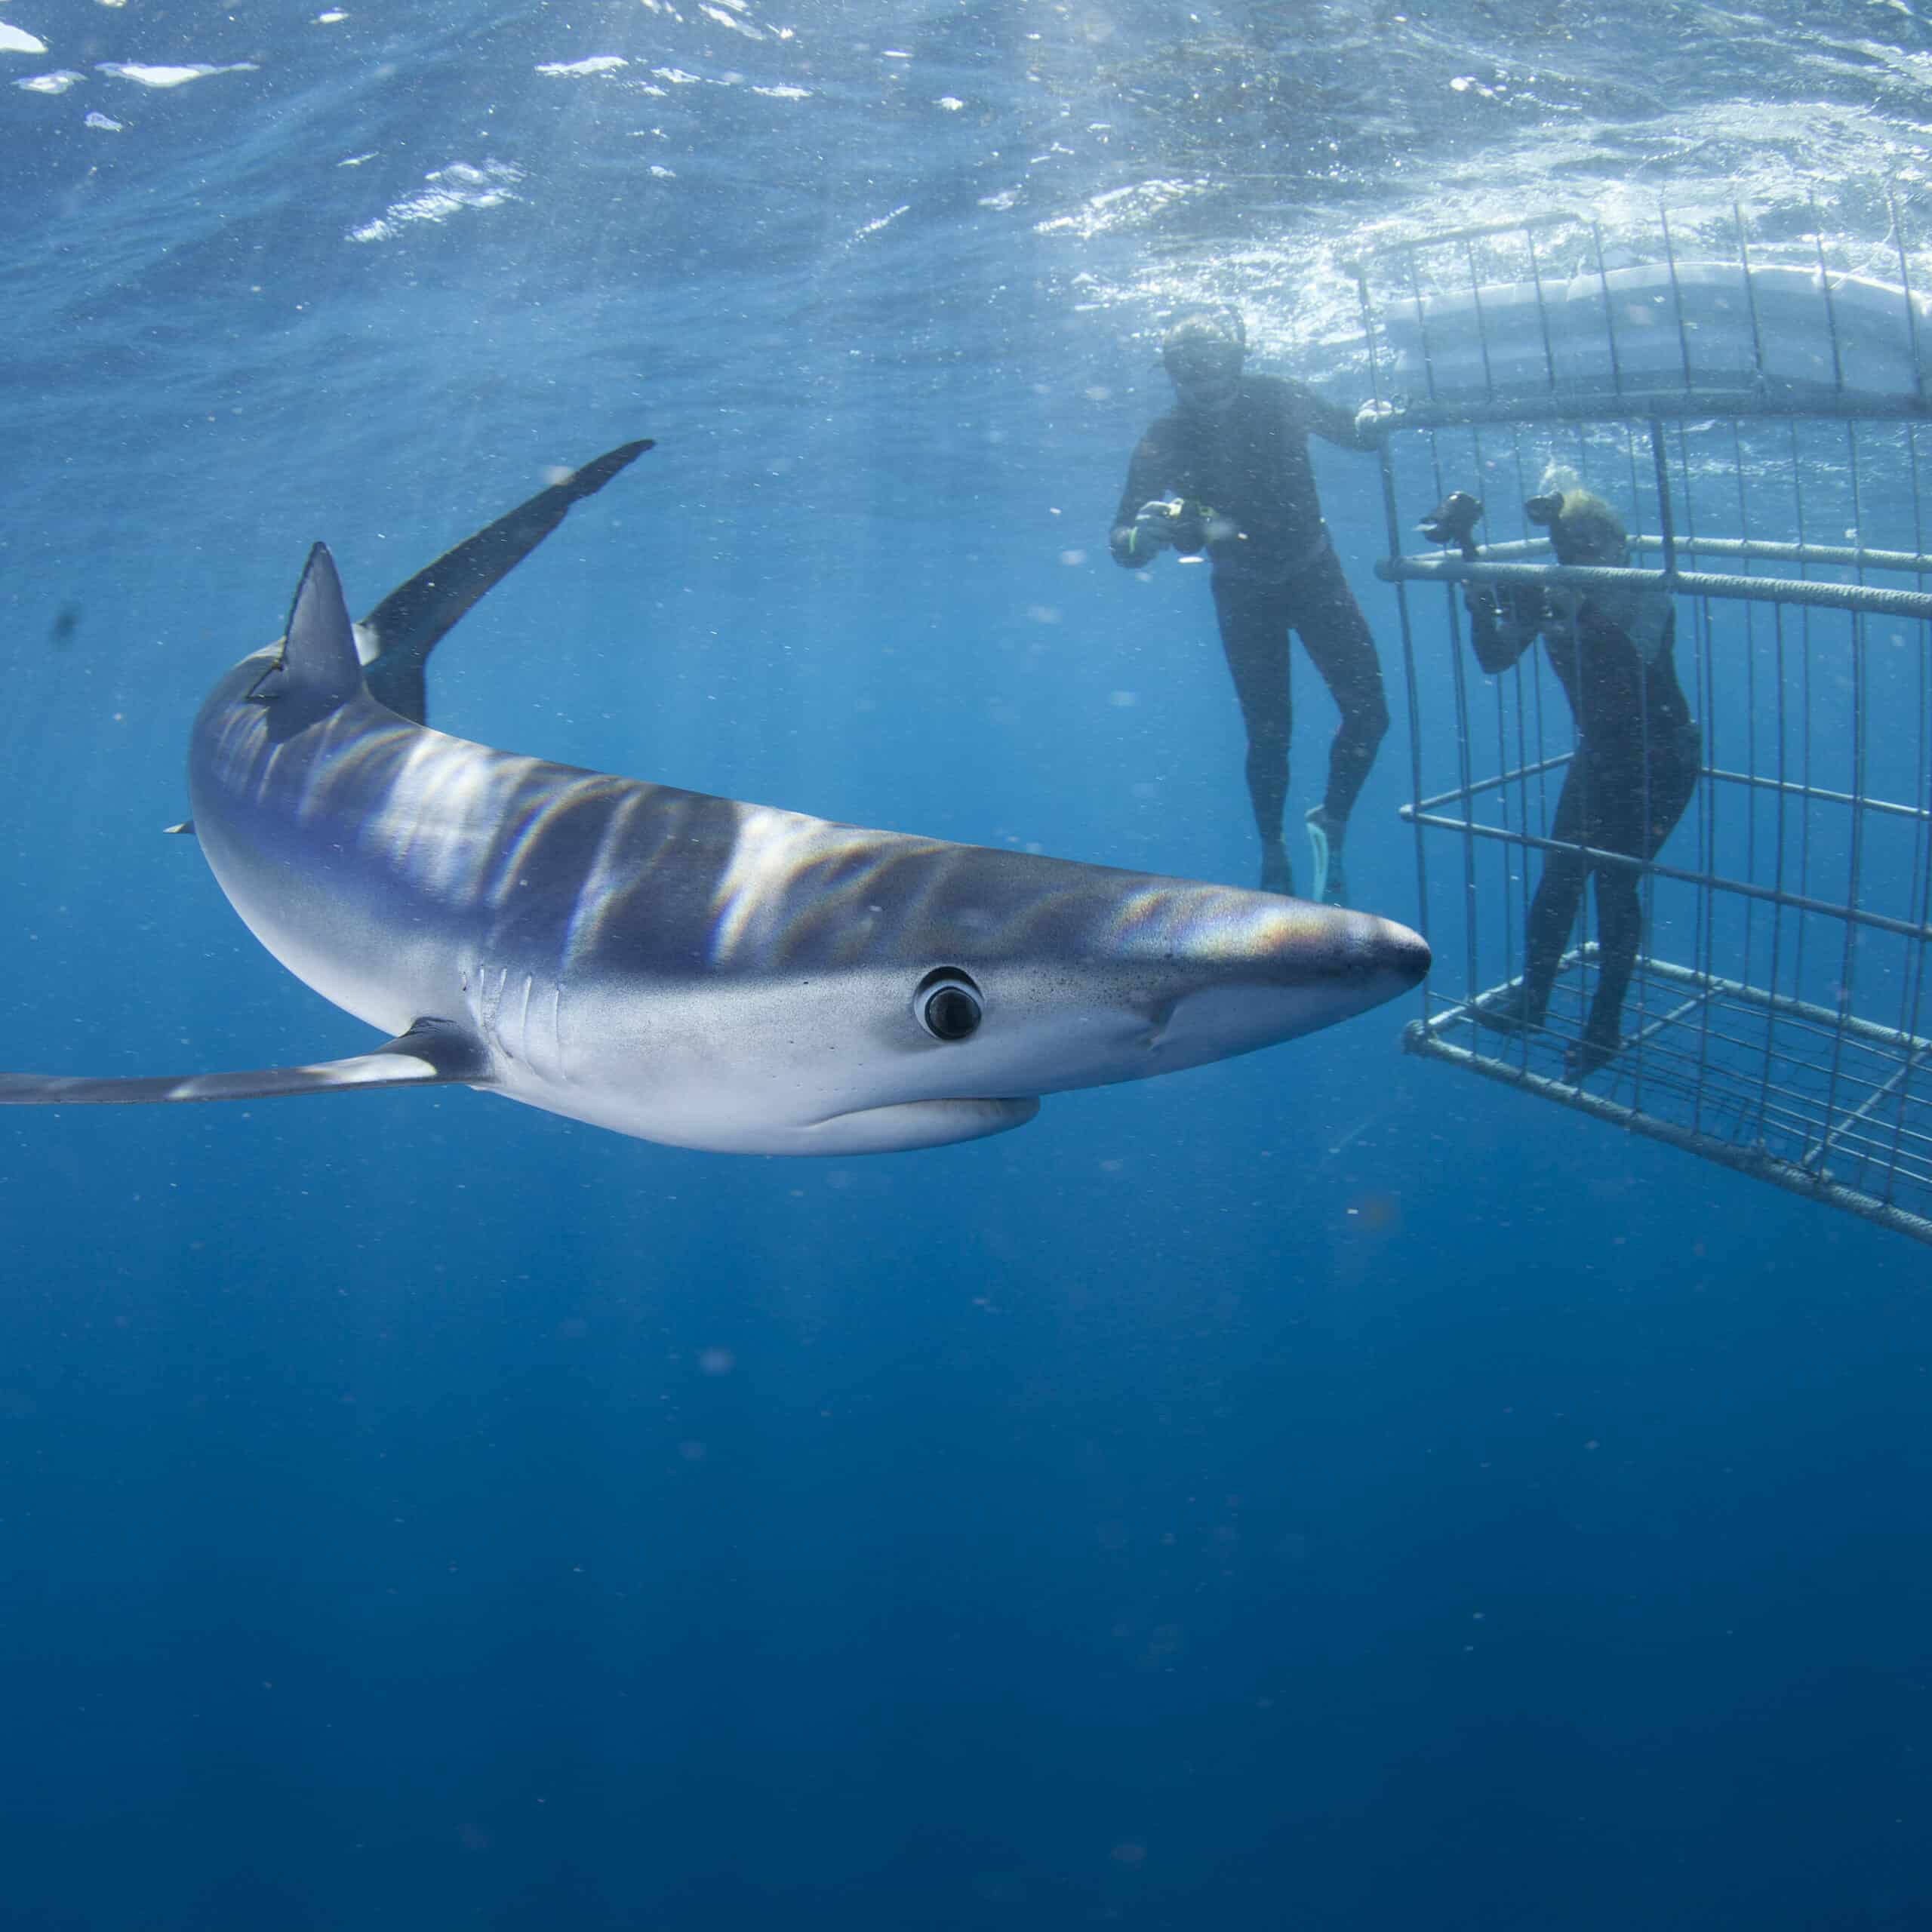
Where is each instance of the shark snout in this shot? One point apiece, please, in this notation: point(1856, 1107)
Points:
point(1409, 954)
point(1382, 952)
point(1358, 960)
point(1283, 968)
point(1292, 943)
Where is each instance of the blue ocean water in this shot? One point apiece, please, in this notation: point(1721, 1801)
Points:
point(1315, 1491)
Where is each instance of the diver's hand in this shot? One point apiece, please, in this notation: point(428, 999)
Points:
point(1150, 532)
point(1513, 608)
point(1374, 421)
point(1156, 520)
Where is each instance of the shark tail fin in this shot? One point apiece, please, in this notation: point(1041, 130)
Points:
point(319, 670)
point(398, 634)
point(433, 1053)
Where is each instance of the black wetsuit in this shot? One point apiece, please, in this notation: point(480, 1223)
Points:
point(1274, 571)
point(1638, 755)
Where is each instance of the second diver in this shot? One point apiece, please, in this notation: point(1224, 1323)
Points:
point(1227, 472)
point(1638, 750)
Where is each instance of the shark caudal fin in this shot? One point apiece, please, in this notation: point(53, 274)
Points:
point(433, 1053)
point(396, 636)
point(319, 670)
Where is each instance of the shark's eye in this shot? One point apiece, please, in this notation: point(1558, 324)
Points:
point(948, 1005)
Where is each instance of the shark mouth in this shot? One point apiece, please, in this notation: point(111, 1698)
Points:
point(911, 1124)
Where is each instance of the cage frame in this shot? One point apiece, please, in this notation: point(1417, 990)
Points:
point(1865, 1148)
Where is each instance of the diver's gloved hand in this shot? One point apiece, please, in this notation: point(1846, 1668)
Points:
point(1374, 421)
point(1151, 531)
point(1455, 520)
point(1514, 606)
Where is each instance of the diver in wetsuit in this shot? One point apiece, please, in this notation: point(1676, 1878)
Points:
point(1229, 471)
point(1638, 755)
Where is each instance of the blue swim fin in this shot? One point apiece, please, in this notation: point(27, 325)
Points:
point(1331, 883)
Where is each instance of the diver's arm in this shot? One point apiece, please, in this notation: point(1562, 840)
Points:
point(1501, 630)
point(1346, 429)
point(1131, 543)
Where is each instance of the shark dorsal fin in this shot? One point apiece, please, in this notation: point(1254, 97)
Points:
point(319, 670)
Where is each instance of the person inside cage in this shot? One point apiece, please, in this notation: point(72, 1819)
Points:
point(1227, 472)
point(1639, 752)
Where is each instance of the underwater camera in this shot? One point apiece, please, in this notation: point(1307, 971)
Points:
point(1454, 520)
point(1188, 526)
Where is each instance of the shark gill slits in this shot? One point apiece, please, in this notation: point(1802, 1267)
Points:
point(948, 1004)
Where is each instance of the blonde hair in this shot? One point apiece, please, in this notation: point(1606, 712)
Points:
point(1577, 518)
point(1584, 520)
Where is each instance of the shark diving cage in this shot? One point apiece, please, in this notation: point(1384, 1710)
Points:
point(1753, 411)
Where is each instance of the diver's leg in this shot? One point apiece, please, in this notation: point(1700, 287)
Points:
point(1638, 824)
point(1336, 636)
point(1619, 931)
point(1673, 783)
point(1337, 639)
point(1559, 895)
point(1254, 638)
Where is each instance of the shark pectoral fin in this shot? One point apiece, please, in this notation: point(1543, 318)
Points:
point(433, 1053)
point(399, 634)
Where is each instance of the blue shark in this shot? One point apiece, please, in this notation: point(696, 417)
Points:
point(694, 970)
